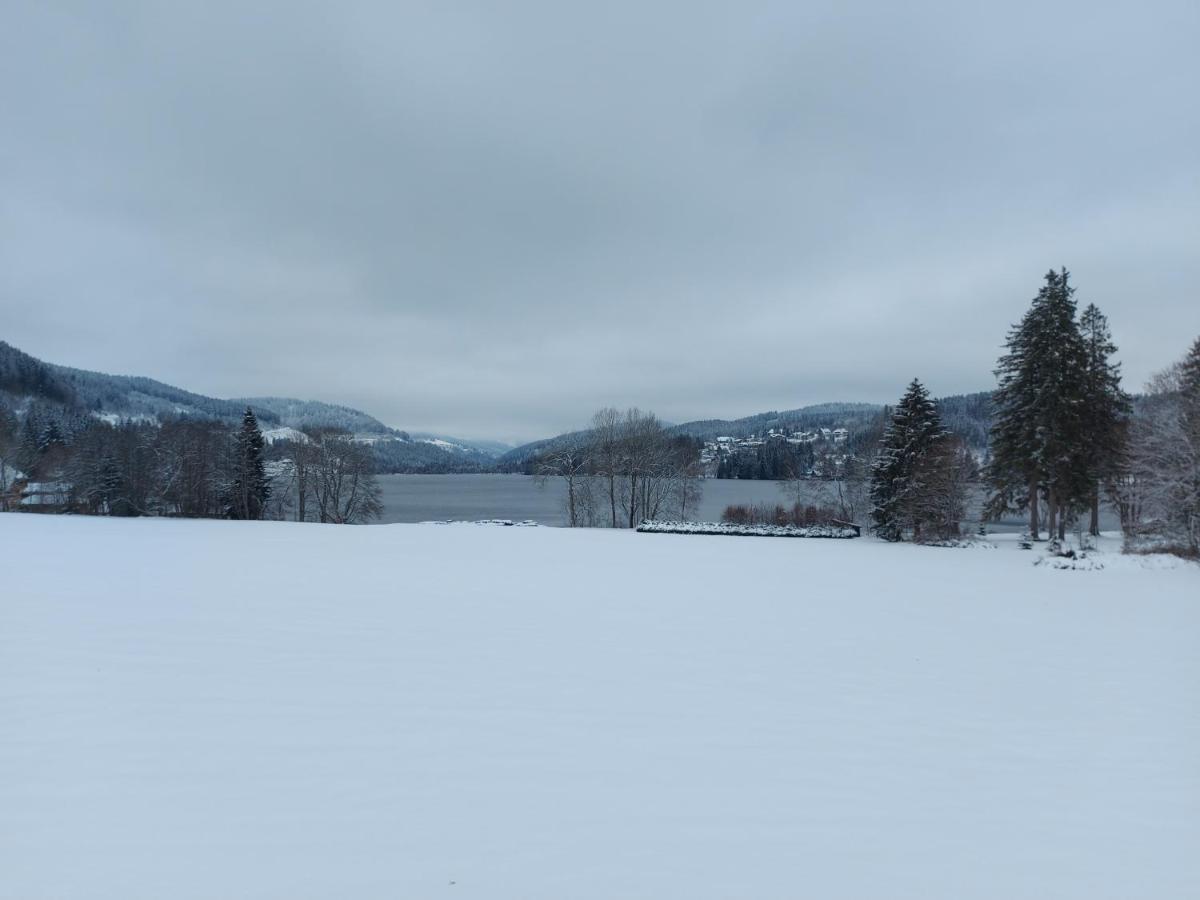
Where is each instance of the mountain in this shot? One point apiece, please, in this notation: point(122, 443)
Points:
point(21, 375)
point(493, 449)
point(134, 397)
point(26, 380)
point(299, 414)
point(516, 459)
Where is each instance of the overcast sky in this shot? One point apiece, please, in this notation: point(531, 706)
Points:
point(488, 219)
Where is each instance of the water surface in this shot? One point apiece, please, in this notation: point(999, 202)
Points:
point(421, 498)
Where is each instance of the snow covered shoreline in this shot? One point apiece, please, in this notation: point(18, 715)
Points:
point(715, 528)
point(196, 709)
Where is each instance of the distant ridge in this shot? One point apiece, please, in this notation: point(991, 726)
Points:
point(964, 414)
point(26, 380)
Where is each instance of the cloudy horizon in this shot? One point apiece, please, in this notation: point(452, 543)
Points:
point(489, 223)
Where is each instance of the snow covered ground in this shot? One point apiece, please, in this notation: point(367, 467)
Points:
point(260, 710)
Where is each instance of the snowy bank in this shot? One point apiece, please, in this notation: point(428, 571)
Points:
point(262, 710)
point(792, 531)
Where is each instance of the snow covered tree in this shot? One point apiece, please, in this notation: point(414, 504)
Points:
point(9, 431)
point(1038, 411)
point(1163, 482)
point(899, 472)
point(1189, 392)
point(1106, 409)
point(249, 490)
point(943, 477)
point(1189, 402)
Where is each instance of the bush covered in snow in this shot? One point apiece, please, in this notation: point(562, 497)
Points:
point(795, 531)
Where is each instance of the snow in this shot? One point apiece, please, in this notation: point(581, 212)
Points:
point(269, 710)
point(284, 433)
point(657, 526)
point(444, 444)
point(522, 523)
point(116, 419)
point(44, 493)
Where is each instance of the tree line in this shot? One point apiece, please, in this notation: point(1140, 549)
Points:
point(624, 468)
point(70, 462)
point(1064, 437)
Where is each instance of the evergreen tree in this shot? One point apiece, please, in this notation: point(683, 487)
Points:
point(1189, 420)
point(1189, 392)
point(1039, 422)
point(898, 474)
point(9, 448)
point(249, 491)
point(1106, 408)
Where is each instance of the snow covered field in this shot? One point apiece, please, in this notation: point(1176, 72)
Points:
point(261, 710)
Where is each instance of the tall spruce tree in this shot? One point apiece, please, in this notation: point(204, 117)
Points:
point(1106, 409)
point(1189, 391)
point(897, 473)
point(249, 490)
point(1189, 420)
point(1038, 411)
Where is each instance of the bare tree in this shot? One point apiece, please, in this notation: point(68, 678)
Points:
point(843, 485)
point(606, 439)
point(1160, 490)
point(687, 490)
point(641, 460)
point(342, 479)
point(572, 462)
point(626, 468)
point(192, 461)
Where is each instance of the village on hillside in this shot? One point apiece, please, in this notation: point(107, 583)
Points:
point(775, 453)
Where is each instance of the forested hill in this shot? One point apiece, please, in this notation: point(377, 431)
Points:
point(21, 375)
point(131, 396)
point(68, 395)
point(315, 414)
point(25, 380)
point(969, 416)
point(822, 415)
point(964, 414)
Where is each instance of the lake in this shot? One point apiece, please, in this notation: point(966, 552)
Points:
point(420, 498)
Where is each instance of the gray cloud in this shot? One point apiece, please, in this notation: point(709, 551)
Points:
point(489, 219)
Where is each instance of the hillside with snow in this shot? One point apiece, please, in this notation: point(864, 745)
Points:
point(967, 415)
point(26, 380)
point(199, 709)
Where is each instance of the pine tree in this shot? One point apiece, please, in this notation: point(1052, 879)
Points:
point(1106, 408)
point(1189, 420)
point(897, 475)
point(1189, 392)
point(249, 491)
point(1038, 411)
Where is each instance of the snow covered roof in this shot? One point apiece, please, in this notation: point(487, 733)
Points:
point(44, 493)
